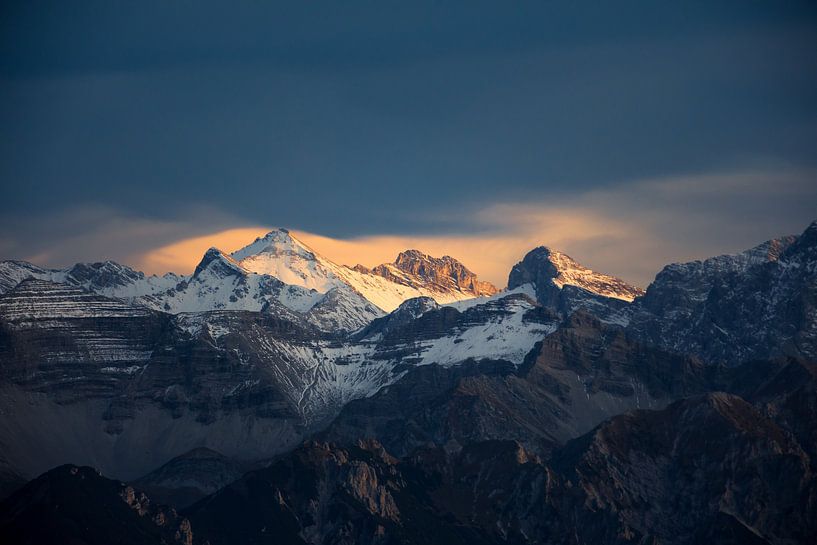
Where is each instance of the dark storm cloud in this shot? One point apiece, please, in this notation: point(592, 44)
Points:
point(378, 118)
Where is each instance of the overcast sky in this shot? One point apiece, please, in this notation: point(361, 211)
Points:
point(628, 134)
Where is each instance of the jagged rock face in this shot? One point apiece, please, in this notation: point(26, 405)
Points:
point(426, 407)
point(414, 268)
point(190, 477)
point(71, 504)
point(342, 310)
point(756, 305)
point(702, 470)
point(537, 269)
point(680, 286)
point(322, 493)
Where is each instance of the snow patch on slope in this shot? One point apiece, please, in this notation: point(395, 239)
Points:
point(504, 337)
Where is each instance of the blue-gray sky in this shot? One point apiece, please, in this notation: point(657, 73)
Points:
point(360, 119)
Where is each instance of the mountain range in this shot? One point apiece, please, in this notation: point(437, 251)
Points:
point(275, 396)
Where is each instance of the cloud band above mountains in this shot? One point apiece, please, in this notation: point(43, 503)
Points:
point(630, 230)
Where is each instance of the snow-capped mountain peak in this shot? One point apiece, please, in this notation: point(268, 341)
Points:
point(283, 256)
point(413, 274)
point(277, 242)
point(276, 270)
point(544, 266)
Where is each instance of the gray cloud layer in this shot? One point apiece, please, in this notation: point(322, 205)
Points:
point(163, 121)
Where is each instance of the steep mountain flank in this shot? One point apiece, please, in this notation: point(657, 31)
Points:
point(759, 304)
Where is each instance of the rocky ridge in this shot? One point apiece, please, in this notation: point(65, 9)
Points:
point(71, 504)
point(276, 273)
point(413, 274)
point(546, 413)
point(120, 375)
point(760, 304)
point(416, 269)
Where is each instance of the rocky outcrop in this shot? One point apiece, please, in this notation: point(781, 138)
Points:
point(416, 269)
